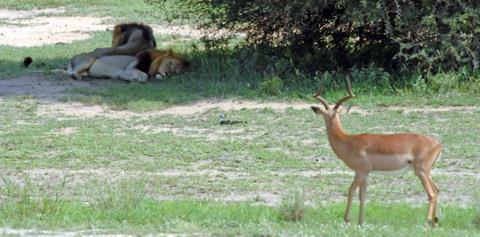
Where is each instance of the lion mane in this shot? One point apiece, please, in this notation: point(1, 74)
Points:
point(121, 34)
point(161, 62)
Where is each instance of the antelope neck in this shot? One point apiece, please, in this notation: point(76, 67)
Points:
point(335, 131)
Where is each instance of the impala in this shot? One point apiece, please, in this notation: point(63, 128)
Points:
point(364, 153)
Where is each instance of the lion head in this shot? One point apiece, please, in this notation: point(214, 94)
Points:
point(166, 64)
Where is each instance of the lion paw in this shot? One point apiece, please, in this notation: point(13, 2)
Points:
point(135, 76)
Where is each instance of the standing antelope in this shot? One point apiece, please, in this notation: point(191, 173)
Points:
point(365, 153)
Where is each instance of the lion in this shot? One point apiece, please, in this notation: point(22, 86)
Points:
point(160, 64)
point(127, 39)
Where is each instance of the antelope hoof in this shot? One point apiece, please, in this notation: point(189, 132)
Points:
point(430, 223)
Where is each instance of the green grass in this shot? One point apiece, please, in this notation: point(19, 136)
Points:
point(124, 208)
point(193, 217)
point(268, 154)
point(224, 74)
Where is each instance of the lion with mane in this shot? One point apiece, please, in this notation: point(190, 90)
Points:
point(147, 64)
point(128, 39)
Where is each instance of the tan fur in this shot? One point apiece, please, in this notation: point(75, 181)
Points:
point(365, 153)
point(135, 44)
point(166, 63)
point(116, 36)
point(124, 67)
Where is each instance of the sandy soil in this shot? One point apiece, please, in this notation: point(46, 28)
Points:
point(43, 90)
point(30, 28)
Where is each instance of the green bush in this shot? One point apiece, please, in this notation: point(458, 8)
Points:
point(272, 86)
point(426, 35)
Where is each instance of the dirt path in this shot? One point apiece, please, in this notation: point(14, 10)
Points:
point(49, 94)
point(43, 90)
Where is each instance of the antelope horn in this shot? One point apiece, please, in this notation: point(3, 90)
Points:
point(349, 96)
point(321, 99)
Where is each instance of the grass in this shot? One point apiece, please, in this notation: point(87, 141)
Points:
point(293, 206)
point(193, 217)
point(124, 208)
point(220, 74)
point(187, 174)
point(269, 155)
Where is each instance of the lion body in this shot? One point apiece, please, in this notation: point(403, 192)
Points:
point(122, 67)
point(149, 63)
point(127, 39)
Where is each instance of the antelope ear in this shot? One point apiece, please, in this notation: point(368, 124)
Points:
point(317, 110)
point(154, 66)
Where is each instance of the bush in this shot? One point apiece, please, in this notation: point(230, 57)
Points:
point(293, 206)
point(272, 86)
point(426, 35)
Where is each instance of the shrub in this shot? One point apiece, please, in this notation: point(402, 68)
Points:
point(293, 206)
point(272, 86)
point(426, 35)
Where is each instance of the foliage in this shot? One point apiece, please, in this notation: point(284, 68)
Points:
point(179, 11)
point(272, 86)
point(426, 35)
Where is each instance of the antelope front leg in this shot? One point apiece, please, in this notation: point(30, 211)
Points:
point(362, 194)
point(353, 187)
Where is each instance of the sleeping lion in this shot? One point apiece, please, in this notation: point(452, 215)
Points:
point(147, 64)
point(127, 39)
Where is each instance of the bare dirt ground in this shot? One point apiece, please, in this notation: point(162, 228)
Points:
point(31, 28)
point(49, 94)
point(43, 90)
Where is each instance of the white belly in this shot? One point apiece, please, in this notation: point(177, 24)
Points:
point(390, 164)
point(395, 172)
